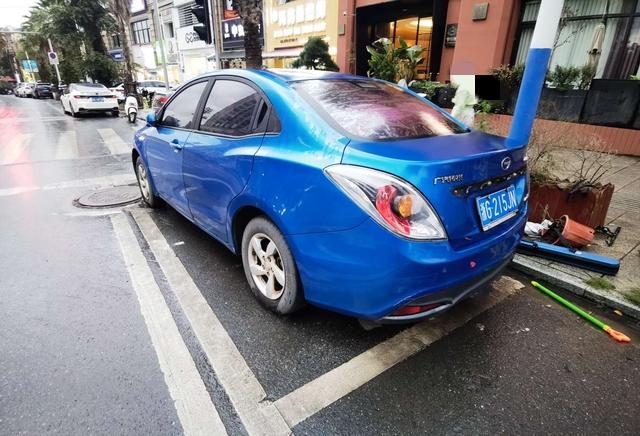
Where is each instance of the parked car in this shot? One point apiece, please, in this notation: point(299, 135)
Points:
point(159, 99)
point(25, 89)
point(151, 86)
point(80, 98)
point(346, 192)
point(42, 90)
point(118, 90)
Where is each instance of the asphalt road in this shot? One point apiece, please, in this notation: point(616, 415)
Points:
point(132, 321)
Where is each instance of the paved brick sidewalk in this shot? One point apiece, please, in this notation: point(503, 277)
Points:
point(624, 212)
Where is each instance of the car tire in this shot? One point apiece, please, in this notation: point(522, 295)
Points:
point(270, 269)
point(144, 183)
point(115, 113)
point(73, 113)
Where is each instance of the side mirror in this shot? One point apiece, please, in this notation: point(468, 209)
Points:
point(151, 118)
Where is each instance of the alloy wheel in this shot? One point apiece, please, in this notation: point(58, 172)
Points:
point(143, 181)
point(266, 266)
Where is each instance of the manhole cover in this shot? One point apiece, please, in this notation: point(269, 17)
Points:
point(109, 197)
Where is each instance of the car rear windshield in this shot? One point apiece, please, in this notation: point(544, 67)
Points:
point(375, 110)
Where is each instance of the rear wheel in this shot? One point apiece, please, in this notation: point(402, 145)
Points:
point(132, 117)
point(145, 185)
point(270, 268)
point(73, 113)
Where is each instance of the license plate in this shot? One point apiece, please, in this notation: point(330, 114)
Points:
point(97, 99)
point(497, 207)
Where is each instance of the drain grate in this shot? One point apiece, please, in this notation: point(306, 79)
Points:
point(109, 197)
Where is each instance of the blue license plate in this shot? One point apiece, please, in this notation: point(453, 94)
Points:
point(497, 207)
point(97, 99)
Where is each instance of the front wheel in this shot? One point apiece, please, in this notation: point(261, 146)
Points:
point(132, 117)
point(270, 268)
point(144, 183)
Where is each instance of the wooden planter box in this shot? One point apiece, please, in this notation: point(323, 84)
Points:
point(588, 208)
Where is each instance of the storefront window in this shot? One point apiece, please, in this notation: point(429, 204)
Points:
point(414, 30)
point(588, 27)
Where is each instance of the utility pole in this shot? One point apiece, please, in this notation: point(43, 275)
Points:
point(162, 55)
point(56, 64)
point(216, 31)
point(544, 34)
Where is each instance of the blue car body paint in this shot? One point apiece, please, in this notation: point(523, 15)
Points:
point(347, 262)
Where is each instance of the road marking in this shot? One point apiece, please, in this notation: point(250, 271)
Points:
point(67, 145)
point(197, 413)
point(247, 395)
point(44, 119)
point(14, 149)
point(116, 180)
point(309, 399)
point(114, 142)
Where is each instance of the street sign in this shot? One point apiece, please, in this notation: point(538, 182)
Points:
point(29, 65)
point(53, 57)
point(117, 54)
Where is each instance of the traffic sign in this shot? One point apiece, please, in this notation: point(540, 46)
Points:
point(53, 57)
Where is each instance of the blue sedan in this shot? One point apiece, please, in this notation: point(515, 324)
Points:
point(349, 193)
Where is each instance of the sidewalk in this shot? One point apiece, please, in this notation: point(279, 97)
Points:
point(621, 291)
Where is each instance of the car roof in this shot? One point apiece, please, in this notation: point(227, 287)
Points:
point(285, 74)
point(292, 75)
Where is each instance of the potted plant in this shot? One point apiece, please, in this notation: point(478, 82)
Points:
point(566, 93)
point(510, 78)
point(581, 195)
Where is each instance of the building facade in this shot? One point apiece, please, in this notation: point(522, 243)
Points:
point(466, 38)
point(288, 26)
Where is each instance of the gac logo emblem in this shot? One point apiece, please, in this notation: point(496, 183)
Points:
point(505, 163)
point(448, 179)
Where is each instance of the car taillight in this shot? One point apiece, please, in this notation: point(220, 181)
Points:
point(389, 200)
point(412, 310)
point(163, 100)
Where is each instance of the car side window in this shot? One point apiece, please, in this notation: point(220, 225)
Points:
point(229, 108)
point(179, 112)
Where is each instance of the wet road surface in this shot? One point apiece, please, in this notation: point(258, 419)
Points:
point(84, 333)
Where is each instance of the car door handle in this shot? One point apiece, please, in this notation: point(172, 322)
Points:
point(176, 144)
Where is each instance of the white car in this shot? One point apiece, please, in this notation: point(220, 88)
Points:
point(151, 86)
point(118, 90)
point(25, 89)
point(83, 98)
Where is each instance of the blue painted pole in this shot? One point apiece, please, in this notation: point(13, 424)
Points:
point(544, 34)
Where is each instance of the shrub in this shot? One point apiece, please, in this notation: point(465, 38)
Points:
point(315, 56)
point(563, 78)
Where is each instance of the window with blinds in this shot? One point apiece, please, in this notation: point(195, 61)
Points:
point(601, 32)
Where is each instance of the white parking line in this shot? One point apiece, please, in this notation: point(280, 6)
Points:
point(196, 412)
point(114, 142)
point(309, 399)
point(120, 179)
point(67, 145)
point(247, 395)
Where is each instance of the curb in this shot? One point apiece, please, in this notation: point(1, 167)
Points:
point(575, 286)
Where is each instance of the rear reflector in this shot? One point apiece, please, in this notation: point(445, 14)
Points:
point(412, 310)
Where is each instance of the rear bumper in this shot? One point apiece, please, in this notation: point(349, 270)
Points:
point(369, 273)
point(447, 298)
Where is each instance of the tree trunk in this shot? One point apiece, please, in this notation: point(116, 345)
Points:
point(128, 82)
point(252, 46)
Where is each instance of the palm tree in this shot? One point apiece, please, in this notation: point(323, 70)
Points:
point(121, 11)
point(251, 13)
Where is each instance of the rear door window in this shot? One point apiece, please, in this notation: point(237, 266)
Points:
point(230, 108)
point(375, 110)
point(180, 111)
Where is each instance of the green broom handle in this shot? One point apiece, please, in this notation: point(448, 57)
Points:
point(570, 305)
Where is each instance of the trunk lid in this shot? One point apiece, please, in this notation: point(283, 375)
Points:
point(451, 172)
